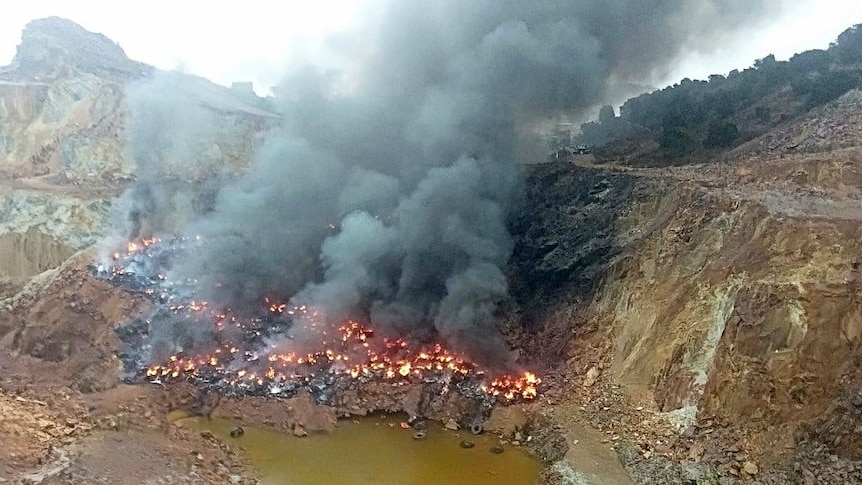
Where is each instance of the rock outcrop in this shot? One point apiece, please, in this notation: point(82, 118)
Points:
point(54, 47)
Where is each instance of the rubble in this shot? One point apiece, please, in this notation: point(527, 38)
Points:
point(591, 376)
point(506, 421)
point(750, 467)
point(299, 431)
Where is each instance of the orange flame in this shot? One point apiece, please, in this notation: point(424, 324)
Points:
point(395, 362)
point(393, 359)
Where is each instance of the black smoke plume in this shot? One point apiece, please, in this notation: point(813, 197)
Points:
point(385, 193)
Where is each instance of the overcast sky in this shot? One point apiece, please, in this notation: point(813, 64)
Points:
point(253, 40)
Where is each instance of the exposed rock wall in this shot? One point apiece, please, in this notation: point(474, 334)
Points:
point(725, 285)
point(23, 255)
point(836, 125)
point(68, 127)
point(717, 303)
point(75, 221)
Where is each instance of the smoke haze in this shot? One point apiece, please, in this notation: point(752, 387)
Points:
point(385, 193)
point(166, 126)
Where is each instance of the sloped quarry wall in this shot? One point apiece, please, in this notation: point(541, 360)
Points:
point(24, 255)
point(67, 319)
point(70, 126)
point(726, 309)
point(709, 303)
point(41, 230)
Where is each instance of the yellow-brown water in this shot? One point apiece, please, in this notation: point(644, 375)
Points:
point(376, 450)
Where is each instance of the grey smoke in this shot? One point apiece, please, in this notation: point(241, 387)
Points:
point(386, 192)
point(166, 128)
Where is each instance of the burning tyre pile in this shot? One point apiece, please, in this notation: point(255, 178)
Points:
point(256, 351)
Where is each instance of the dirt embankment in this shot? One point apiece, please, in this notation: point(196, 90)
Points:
point(63, 416)
point(55, 435)
point(24, 255)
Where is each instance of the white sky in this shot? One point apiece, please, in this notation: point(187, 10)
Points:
point(253, 40)
point(803, 25)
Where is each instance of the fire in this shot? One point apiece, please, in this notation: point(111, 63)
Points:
point(395, 361)
point(275, 307)
point(138, 246)
point(349, 352)
point(525, 386)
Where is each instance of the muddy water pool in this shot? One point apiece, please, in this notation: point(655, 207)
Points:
point(376, 450)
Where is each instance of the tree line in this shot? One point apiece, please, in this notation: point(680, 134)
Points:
point(696, 117)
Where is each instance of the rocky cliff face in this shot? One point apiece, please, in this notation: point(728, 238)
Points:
point(54, 47)
point(723, 297)
point(733, 309)
point(64, 144)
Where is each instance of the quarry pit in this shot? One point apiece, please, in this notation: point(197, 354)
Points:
point(637, 323)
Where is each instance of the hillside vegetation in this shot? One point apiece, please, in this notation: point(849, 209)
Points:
point(694, 120)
